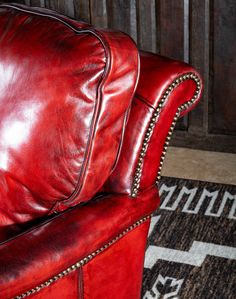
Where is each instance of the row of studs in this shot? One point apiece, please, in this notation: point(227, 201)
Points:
point(83, 261)
point(176, 117)
point(154, 119)
point(167, 141)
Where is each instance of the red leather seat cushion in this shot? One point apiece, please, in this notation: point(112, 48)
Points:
point(65, 89)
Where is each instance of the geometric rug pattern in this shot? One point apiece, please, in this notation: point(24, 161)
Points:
point(191, 250)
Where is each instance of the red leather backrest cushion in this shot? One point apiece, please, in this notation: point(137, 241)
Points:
point(65, 88)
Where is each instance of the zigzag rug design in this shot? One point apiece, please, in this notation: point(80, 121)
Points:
point(191, 250)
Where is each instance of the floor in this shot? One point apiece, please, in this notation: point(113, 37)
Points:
point(200, 165)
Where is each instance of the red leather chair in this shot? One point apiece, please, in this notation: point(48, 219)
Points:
point(83, 132)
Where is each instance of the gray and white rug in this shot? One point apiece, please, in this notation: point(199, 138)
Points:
point(191, 250)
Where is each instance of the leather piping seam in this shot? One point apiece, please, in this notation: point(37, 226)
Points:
point(153, 121)
point(83, 261)
point(121, 139)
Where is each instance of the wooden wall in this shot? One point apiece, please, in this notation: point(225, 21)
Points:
point(200, 32)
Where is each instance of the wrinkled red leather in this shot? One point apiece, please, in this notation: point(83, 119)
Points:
point(65, 91)
point(123, 265)
point(48, 249)
point(156, 74)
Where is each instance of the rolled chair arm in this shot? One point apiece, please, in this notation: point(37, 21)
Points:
point(43, 255)
point(167, 90)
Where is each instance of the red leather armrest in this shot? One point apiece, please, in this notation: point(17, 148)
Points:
point(167, 89)
point(36, 256)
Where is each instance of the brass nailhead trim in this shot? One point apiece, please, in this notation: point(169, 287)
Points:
point(83, 261)
point(154, 119)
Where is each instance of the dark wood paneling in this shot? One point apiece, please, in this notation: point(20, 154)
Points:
point(201, 32)
point(98, 11)
point(16, 1)
point(63, 6)
point(82, 10)
point(210, 142)
point(122, 16)
point(171, 22)
point(40, 3)
point(223, 118)
point(146, 23)
point(199, 57)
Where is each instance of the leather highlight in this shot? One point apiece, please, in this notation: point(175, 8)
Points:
point(51, 152)
point(82, 143)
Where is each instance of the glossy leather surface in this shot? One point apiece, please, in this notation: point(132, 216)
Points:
point(48, 249)
point(156, 74)
point(65, 88)
point(123, 265)
point(65, 93)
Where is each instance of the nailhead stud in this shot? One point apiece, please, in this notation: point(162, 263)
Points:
point(154, 119)
point(85, 260)
point(137, 176)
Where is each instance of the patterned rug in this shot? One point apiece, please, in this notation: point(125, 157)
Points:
point(191, 250)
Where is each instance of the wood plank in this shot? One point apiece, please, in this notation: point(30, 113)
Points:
point(223, 117)
point(65, 7)
point(39, 3)
point(186, 29)
point(211, 142)
point(82, 10)
point(171, 22)
point(122, 16)
point(16, 1)
point(146, 20)
point(98, 13)
point(199, 58)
